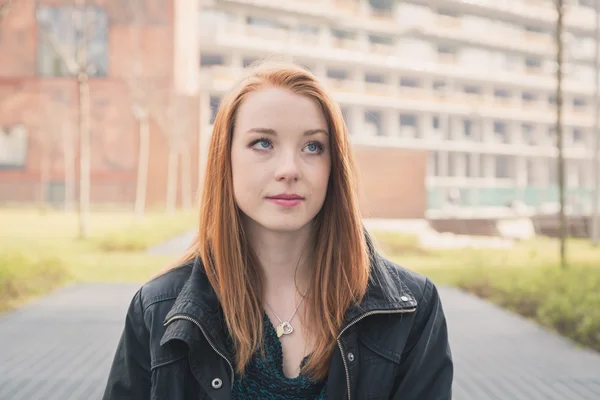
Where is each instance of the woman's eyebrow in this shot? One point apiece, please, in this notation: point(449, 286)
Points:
point(315, 132)
point(266, 131)
point(269, 131)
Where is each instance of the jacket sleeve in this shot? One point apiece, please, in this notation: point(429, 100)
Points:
point(426, 371)
point(129, 376)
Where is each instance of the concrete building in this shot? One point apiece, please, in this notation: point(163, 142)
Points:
point(469, 84)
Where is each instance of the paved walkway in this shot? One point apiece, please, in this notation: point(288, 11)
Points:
point(60, 348)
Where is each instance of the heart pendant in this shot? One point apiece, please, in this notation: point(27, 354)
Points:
point(284, 329)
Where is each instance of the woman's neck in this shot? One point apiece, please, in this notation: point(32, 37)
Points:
point(283, 258)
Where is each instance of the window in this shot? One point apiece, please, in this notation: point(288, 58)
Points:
point(342, 34)
point(439, 86)
point(446, 49)
point(579, 103)
point(447, 13)
point(215, 101)
point(373, 123)
point(468, 128)
point(528, 97)
point(552, 135)
point(535, 29)
point(577, 136)
point(378, 39)
point(248, 61)
point(435, 122)
point(500, 131)
point(527, 130)
point(71, 27)
point(533, 63)
point(374, 78)
point(408, 120)
point(470, 89)
point(208, 59)
point(406, 81)
point(434, 166)
point(13, 146)
point(381, 6)
point(446, 53)
point(344, 111)
point(502, 94)
point(337, 73)
point(308, 29)
point(502, 167)
point(261, 22)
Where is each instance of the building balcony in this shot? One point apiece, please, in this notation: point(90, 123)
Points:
point(381, 15)
point(304, 39)
point(378, 89)
point(342, 85)
point(538, 39)
point(447, 21)
point(446, 58)
point(503, 102)
point(316, 8)
point(266, 32)
point(347, 7)
point(382, 49)
point(260, 39)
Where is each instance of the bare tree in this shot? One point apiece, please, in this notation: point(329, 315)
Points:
point(5, 7)
point(559, 128)
point(141, 90)
point(175, 119)
point(595, 166)
point(78, 64)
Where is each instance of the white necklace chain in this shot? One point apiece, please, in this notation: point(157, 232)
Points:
point(285, 327)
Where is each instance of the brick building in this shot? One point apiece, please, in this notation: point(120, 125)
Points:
point(39, 97)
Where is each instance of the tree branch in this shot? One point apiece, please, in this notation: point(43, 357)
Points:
point(5, 8)
point(69, 62)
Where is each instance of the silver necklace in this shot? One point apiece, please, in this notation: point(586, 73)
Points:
point(285, 327)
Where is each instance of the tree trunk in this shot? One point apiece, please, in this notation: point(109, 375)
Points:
point(559, 131)
point(186, 179)
point(69, 166)
point(171, 181)
point(143, 159)
point(84, 154)
point(595, 166)
point(44, 173)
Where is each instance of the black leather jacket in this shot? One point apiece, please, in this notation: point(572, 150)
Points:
point(174, 345)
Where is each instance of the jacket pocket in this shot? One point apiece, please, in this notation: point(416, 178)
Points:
point(377, 380)
point(172, 379)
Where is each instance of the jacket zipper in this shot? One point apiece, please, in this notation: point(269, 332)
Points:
point(402, 311)
point(185, 317)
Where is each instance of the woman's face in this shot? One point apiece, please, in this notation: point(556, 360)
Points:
point(280, 159)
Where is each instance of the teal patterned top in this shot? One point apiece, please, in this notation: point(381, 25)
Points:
point(265, 380)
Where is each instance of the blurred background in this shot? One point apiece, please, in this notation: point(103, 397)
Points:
point(474, 124)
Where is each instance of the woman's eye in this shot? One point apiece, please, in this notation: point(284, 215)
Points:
point(262, 144)
point(314, 147)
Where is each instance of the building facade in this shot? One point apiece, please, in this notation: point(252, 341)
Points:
point(470, 85)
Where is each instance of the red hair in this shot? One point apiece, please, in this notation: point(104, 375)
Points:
point(341, 261)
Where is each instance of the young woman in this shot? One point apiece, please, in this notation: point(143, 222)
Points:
point(282, 295)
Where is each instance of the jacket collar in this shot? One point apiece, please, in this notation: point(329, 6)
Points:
point(198, 301)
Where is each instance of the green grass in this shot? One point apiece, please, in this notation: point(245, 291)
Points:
point(526, 279)
point(40, 251)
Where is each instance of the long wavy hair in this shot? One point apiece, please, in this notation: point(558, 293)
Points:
point(340, 258)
